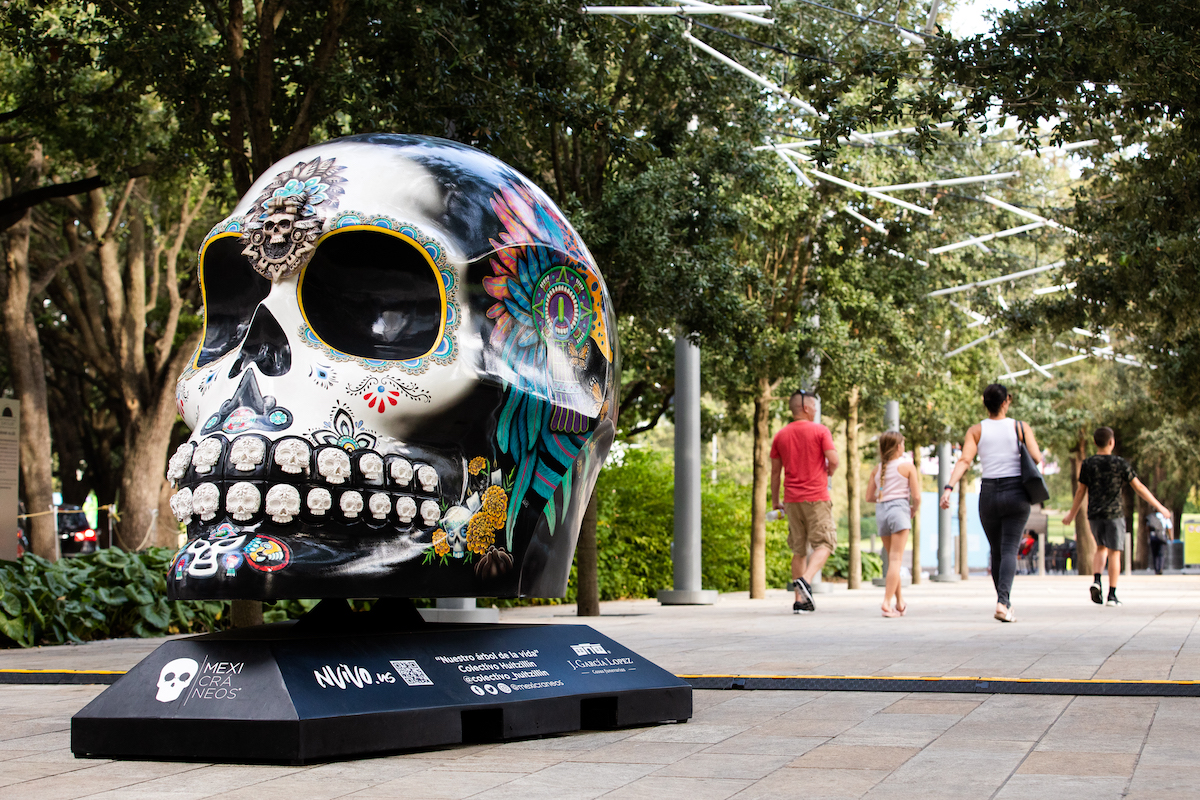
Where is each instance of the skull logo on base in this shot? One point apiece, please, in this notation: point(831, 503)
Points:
point(405, 385)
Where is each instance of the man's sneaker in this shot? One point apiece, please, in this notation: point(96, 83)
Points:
point(805, 602)
point(798, 608)
point(1112, 600)
point(1097, 595)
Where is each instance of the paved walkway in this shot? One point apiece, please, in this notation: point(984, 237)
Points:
point(762, 744)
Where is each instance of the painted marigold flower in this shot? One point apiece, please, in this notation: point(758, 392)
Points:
point(494, 499)
point(441, 547)
point(478, 464)
point(480, 533)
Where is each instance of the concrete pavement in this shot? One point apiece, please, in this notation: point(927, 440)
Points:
point(758, 744)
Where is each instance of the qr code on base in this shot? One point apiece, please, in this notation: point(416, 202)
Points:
point(411, 673)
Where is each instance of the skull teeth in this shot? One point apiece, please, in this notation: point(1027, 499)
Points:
point(206, 455)
point(402, 472)
point(428, 477)
point(206, 499)
point(247, 452)
point(178, 465)
point(319, 501)
point(333, 465)
point(406, 509)
point(294, 456)
point(181, 504)
point(351, 504)
point(431, 512)
point(370, 466)
point(283, 502)
point(355, 483)
point(242, 501)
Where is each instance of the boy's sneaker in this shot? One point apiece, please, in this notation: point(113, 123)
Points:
point(805, 603)
point(1097, 594)
point(1112, 599)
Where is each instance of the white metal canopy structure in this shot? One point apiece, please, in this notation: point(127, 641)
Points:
point(794, 156)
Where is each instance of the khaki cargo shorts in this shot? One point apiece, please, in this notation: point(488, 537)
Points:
point(811, 524)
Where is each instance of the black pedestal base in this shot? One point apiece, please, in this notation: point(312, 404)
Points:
point(315, 690)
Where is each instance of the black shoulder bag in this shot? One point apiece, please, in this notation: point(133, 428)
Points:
point(1031, 477)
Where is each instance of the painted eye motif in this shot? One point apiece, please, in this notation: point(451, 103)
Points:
point(374, 293)
point(232, 291)
point(562, 307)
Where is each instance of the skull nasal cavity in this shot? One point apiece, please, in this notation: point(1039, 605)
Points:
point(265, 346)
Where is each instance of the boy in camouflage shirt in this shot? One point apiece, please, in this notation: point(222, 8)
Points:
point(1101, 480)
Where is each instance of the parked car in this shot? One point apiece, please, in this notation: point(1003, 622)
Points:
point(75, 535)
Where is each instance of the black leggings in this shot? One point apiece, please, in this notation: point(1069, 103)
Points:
point(1003, 510)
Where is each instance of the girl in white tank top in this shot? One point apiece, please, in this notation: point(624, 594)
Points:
point(896, 489)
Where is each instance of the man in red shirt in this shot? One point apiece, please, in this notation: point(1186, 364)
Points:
point(804, 452)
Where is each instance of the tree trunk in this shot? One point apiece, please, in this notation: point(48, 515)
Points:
point(587, 601)
point(916, 523)
point(246, 613)
point(761, 487)
point(853, 467)
point(1085, 546)
point(29, 380)
point(147, 439)
point(964, 570)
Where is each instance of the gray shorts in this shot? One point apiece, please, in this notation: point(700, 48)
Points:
point(893, 516)
point(1108, 533)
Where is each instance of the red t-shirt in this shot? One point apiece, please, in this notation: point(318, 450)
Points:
point(801, 446)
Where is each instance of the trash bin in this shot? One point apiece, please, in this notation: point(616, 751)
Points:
point(1174, 557)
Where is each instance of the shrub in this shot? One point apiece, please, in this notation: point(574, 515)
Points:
point(635, 528)
point(838, 565)
point(102, 595)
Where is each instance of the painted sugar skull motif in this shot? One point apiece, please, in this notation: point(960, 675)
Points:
point(405, 385)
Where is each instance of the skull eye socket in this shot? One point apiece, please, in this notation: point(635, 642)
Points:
point(373, 293)
point(232, 291)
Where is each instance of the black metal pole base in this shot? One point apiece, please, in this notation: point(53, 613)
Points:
point(334, 685)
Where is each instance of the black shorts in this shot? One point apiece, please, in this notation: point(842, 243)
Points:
point(1108, 533)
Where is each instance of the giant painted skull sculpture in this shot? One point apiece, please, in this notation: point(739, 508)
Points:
point(405, 386)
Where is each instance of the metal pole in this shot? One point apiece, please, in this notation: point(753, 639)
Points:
point(946, 571)
point(688, 470)
point(1042, 549)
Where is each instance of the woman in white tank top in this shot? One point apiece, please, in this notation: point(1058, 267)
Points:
point(896, 487)
point(1003, 503)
